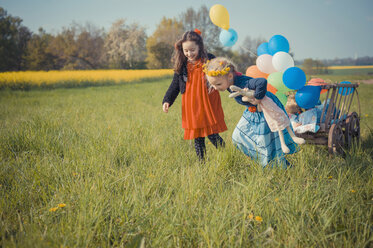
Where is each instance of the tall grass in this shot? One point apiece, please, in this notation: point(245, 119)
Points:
point(128, 178)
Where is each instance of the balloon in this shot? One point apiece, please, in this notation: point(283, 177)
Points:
point(271, 89)
point(219, 16)
point(278, 43)
point(344, 90)
point(308, 96)
point(275, 79)
point(262, 49)
point(228, 38)
point(264, 63)
point(254, 72)
point(282, 61)
point(294, 78)
point(282, 97)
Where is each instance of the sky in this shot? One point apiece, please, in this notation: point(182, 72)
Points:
point(318, 29)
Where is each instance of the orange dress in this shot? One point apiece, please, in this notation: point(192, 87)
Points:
point(202, 114)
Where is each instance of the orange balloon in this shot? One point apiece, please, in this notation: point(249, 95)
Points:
point(254, 72)
point(271, 89)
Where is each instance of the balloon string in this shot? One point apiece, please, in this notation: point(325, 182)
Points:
point(247, 49)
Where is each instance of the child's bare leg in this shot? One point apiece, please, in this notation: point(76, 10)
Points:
point(296, 139)
point(284, 148)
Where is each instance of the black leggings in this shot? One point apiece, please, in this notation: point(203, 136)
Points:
point(199, 144)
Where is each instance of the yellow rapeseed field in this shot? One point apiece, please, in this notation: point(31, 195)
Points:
point(351, 67)
point(27, 79)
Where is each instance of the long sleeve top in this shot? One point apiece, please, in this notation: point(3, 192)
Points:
point(178, 84)
point(257, 84)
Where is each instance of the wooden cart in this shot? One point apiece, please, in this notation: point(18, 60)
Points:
point(339, 125)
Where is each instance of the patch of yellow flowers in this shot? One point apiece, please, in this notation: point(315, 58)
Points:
point(60, 205)
point(257, 218)
point(45, 78)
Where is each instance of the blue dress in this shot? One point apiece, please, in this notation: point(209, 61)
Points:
point(252, 134)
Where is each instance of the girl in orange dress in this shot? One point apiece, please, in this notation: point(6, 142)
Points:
point(202, 113)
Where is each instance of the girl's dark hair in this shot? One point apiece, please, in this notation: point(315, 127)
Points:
point(179, 58)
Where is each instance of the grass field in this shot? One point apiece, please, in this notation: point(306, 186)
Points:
point(352, 73)
point(104, 166)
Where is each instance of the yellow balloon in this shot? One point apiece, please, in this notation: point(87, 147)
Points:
point(219, 16)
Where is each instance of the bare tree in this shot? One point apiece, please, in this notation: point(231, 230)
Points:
point(125, 45)
point(77, 47)
point(90, 45)
point(311, 67)
point(200, 19)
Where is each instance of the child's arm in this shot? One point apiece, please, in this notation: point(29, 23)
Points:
point(256, 85)
point(259, 85)
point(172, 92)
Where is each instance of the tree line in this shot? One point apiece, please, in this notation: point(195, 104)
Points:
point(366, 60)
point(123, 46)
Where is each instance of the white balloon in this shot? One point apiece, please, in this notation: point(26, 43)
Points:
point(282, 61)
point(264, 63)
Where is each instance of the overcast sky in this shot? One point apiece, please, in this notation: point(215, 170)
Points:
point(318, 29)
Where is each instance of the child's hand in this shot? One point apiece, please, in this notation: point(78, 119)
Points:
point(166, 105)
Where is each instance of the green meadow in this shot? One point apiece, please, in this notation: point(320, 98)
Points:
point(105, 167)
point(352, 71)
point(349, 74)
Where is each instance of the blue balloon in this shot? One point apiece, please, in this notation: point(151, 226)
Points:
point(294, 78)
point(308, 96)
point(278, 43)
point(228, 38)
point(345, 91)
point(262, 49)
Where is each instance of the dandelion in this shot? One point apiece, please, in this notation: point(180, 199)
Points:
point(61, 205)
point(53, 209)
point(366, 115)
point(258, 218)
point(276, 199)
point(353, 191)
point(251, 216)
point(330, 177)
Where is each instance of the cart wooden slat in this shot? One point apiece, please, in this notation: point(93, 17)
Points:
point(339, 128)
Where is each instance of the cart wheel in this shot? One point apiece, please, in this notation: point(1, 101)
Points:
point(348, 133)
point(352, 129)
point(336, 139)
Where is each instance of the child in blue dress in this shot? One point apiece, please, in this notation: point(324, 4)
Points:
point(252, 134)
